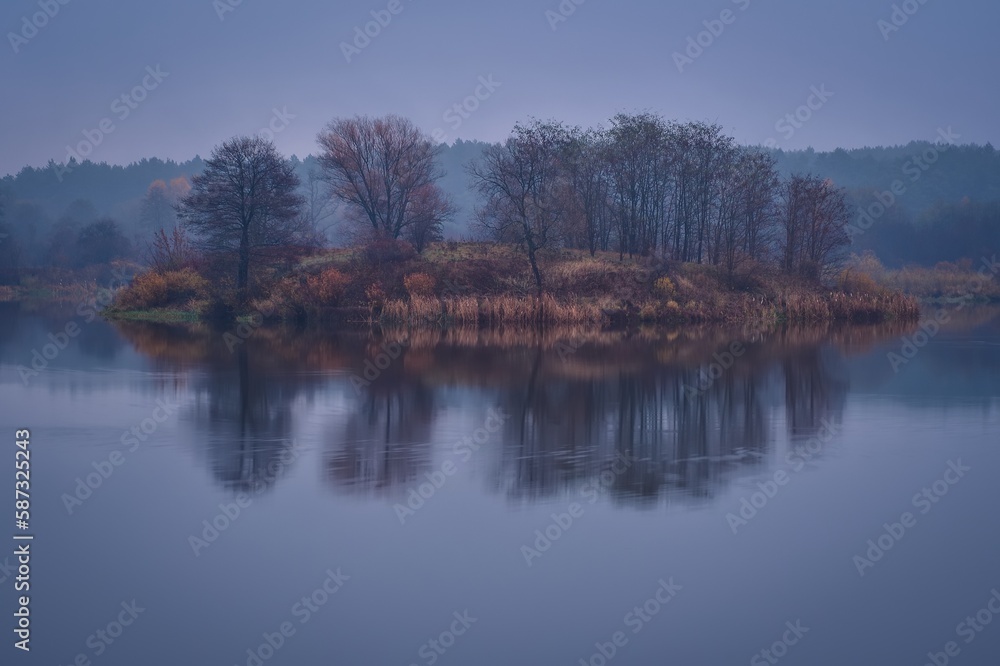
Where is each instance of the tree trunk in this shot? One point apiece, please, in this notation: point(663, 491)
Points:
point(534, 269)
point(243, 276)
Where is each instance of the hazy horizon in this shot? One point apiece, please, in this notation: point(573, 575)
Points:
point(210, 73)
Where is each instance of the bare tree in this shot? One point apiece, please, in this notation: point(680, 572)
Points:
point(760, 193)
point(170, 252)
point(523, 185)
point(244, 203)
point(377, 166)
point(587, 166)
point(814, 216)
point(639, 172)
point(430, 209)
point(748, 186)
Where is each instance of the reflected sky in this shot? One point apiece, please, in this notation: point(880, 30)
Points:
point(424, 463)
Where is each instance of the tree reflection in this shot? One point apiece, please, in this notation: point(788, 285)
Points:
point(578, 404)
point(386, 440)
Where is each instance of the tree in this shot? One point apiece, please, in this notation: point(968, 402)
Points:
point(585, 159)
point(171, 252)
point(244, 203)
point(10, 253)
point(747, 191)
point(814, 217)
point(639, 163)
point(523, 185)
point(378, 167)
point(430, 208)
point(157, 211)
point(100, 242)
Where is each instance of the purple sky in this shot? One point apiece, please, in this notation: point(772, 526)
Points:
point(228, 68)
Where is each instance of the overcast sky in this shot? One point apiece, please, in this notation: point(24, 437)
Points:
point(225, 67)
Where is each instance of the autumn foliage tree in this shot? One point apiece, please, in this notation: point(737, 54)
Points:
point(385, 171)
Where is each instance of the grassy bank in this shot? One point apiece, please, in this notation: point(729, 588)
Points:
point(966, 280)
point(489, 285)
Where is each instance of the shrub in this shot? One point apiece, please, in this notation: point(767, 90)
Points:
point(327, 288)
point(154, 289)
point(859, 283)
point(387, 251)
point(664, 287)
point(419, 285)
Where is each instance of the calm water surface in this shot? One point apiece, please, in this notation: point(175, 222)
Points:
point(578, 496)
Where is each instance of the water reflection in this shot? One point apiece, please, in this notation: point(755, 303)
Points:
point(689, 416)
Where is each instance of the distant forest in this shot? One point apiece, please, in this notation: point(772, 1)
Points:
point(946, 206)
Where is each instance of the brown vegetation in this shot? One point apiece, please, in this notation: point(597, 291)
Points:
point(180, 289)
point(964, 280)
point(490, 285)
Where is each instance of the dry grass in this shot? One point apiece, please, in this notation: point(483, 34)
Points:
point(153, 289)
point(945, 280)
point(489, 285)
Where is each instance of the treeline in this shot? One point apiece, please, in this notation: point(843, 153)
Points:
point(933, 172)
point(648, 186)
point(43, 211)
point(922, 203)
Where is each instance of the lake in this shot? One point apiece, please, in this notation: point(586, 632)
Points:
point(697, 496)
